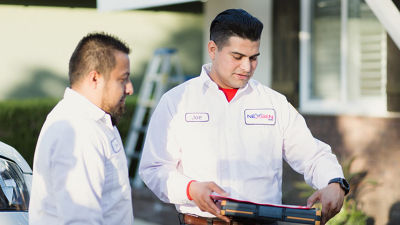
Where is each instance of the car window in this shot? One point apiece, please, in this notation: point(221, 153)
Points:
point(14, 193)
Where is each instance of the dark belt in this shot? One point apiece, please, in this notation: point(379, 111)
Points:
point(197, 220)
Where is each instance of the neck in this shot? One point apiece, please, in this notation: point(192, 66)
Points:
point(89, 94)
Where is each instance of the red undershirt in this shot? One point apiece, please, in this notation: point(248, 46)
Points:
point(229, 93)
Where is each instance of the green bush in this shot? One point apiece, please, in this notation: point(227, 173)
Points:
point(21, 121)
point(351, 212)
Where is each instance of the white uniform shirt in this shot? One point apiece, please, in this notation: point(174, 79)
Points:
point(80, 173)
point(196, 134)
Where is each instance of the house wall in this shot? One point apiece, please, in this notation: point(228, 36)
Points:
point(285, 49)
point(262, 9)
point(37, 42)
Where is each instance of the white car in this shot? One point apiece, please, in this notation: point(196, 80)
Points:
point(15, 185)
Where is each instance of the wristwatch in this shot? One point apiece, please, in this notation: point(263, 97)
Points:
point(343, 184)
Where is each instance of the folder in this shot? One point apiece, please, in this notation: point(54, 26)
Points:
point(239, 209)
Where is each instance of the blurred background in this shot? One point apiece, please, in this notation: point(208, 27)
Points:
point(337, 61)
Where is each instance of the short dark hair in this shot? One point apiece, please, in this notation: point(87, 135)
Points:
point(95, 52)
point(234, 22)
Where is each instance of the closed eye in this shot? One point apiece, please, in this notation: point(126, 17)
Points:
point(124, 78)
point(237, 57)
point(253, 58)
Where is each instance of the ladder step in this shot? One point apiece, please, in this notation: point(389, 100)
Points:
point(140, 129)
point(164, 78)
point(146, 103)
point(156, 77)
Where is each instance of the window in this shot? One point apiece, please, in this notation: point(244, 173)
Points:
point(14, 195)
point(342, 58)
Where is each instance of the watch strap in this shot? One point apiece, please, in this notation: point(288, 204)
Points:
point(343, 184)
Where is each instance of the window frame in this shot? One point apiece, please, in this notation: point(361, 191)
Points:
point(371, 106)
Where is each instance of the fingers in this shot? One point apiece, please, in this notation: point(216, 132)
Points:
point(331, 198)
point(208, 205)
point(224, 218)
point(200, 192)
point(211, 206)
point(215, 188)
point(313, 198)
point(326, 205)
point(213, 209)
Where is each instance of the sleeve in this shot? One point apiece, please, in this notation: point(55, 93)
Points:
point(159, 164)
point(305, 154)
point(77, 172)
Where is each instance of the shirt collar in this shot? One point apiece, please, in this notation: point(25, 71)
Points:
point(208, 83)
point(87, 107)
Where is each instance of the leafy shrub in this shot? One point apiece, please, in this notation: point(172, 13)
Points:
point(351, 213)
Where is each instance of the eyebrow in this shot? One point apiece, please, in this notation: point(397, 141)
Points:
point(241, 54)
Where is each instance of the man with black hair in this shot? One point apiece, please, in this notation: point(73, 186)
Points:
point(80, 173)
point(226, 133)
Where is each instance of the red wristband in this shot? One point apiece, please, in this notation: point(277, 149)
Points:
point(187, 190)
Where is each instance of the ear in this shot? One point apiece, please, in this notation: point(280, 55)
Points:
point(212, 49)
point(94, 79)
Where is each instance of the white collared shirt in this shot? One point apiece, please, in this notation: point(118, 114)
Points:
point(196, 134)
point(80, 173)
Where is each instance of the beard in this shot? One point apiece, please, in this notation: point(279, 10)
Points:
point(117, 112)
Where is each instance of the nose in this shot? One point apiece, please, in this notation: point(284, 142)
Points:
point(246, 65)
point(129, 88)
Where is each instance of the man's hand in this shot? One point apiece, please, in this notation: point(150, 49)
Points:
point(331, 198)
point(200, 193)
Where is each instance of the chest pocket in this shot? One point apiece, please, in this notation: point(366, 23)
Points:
point(198, 137)
point(261, 138)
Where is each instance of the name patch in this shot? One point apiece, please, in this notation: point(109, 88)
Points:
point(197, 117)
point(260, 116)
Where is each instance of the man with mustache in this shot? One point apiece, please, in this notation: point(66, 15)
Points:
point(224, 132)
point(80, 173)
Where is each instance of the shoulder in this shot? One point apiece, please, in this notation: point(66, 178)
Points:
point(65, 122)
point(182, 91)
point(184, 87)
point(277, 100)
point(265, 91)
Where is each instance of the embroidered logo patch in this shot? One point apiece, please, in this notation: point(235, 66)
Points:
point(260, 116)
point(197, 117)
point(116, 146)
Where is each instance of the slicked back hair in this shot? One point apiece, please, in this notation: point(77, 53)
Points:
point(95, 52)
point(234, 22)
